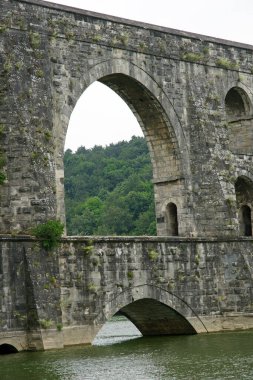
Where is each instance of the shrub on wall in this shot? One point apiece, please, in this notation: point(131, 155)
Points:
point(49, 232)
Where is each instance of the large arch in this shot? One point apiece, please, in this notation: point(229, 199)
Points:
point(154, 311)
point(157, 118)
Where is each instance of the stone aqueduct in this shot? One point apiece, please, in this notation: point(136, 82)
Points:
point(193, 98)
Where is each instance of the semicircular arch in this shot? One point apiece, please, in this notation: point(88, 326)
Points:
point(156, 115)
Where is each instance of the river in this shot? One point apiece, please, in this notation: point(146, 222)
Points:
point(120, 353)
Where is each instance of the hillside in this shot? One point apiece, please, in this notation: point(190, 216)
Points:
point(108, 190)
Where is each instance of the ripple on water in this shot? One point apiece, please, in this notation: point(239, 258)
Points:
point(120, 353)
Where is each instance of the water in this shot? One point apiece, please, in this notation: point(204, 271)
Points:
point(120, 353)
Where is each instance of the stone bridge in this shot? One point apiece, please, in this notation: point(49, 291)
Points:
point(163, 285)
point(193, 98)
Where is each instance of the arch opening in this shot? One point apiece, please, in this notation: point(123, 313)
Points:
point(245, 221)
point(158, 132)
point(239, 115)
point(100, 118)
point(143, 317)
point(152, 317)
point(6, 349)
point(171, 219)
point(153, 122)
point(108, 189)
point(244, 199)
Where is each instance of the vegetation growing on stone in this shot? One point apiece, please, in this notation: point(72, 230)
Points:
point(193, 57)
point(49, 233)
point(153, 255)
point(226, 64)
point(130, 275)
point(35, 40)
point(2, 178)
point(46, 323)
point(108, 191)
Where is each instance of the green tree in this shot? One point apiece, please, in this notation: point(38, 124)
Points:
point(109, 190)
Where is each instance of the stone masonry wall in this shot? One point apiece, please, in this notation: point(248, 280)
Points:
point(54, 299)
point(175, 83)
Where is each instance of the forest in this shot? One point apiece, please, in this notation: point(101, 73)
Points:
point(108, 190)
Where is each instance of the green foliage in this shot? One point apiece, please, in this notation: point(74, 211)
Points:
point(50, 233)
point(7, 67)
point(35, 40)
point(153, 255)
point(46, 323)
point(193, 57)
point(92, 287)
point(130, 275)
point(39, 73)
point(226, 64)
point(2, 178)
point(59, 326)
point(108, 191)
point(96, 38)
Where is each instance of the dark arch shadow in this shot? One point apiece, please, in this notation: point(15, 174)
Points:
point(6, 349)
point(237, 104)
point(152, 317)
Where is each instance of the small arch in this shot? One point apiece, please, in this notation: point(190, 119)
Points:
point(244, 200)
point(6, 349)
point(171, 219)
point(237, 104)
point(244, 191)
point(239, 115)
point(245, 223)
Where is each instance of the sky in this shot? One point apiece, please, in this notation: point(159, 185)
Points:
point(227, 19)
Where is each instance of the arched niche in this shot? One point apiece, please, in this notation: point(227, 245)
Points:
point(171, 219)
point(239, 116)
point(244, 200)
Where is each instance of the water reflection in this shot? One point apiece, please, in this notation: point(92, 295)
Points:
point(207, 357)
point(118, 329)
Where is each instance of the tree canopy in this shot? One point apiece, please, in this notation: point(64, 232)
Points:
point(108, 190)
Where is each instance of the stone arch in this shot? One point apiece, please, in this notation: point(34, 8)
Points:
point(6, 348)
point(244, 190)
point(157, 118)
point(237, 104)
point(239, 114)
point(244, 201)
point(154, 311)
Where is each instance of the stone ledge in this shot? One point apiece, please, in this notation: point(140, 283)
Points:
point(139, 24)
point(136, 239)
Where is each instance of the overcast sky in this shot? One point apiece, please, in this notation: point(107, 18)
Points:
point(96, 122)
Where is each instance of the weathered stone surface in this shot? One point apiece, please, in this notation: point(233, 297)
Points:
point(164, 285)
point(191, 94)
